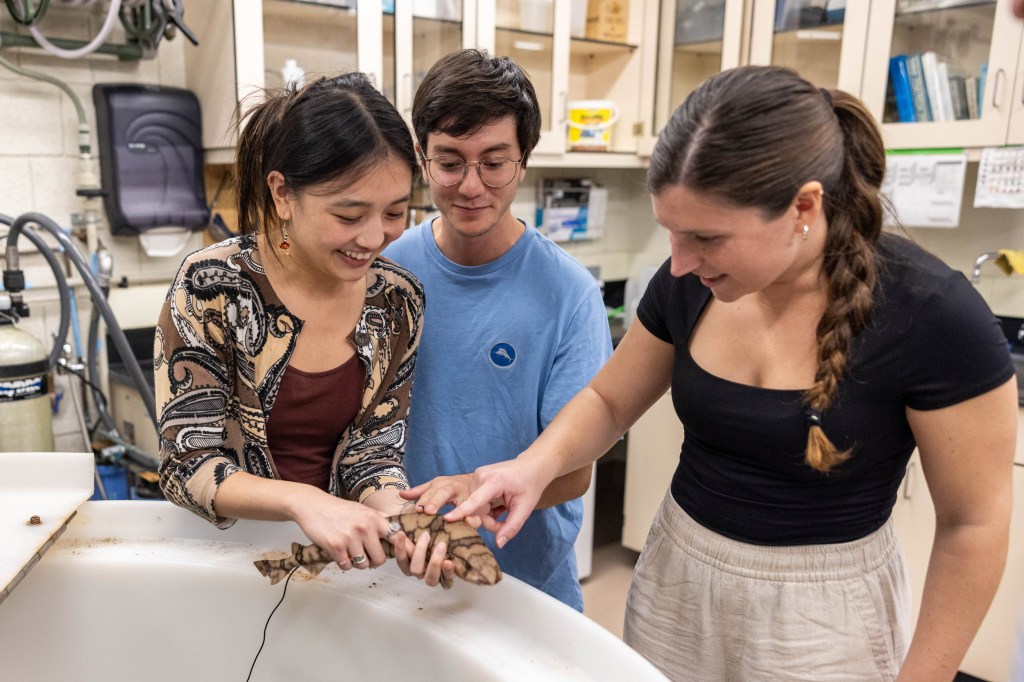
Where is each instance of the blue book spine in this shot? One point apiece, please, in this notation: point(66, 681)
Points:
point(919, 95)
point(901, 84)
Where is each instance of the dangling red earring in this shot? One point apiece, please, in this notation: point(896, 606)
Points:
point(284, 245)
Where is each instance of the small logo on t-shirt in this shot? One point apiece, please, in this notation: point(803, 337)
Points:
point(503, 354)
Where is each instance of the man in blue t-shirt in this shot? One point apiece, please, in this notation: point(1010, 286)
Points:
point(514, 327)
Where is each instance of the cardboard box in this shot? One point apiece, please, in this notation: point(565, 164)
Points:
point(607, 20)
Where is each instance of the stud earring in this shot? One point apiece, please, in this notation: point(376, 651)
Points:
point(806, 231)
point(284, 245)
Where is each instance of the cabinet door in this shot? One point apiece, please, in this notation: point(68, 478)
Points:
point(652, 456)
point(322, 39)
point(210, 69)
point(961, 58)
point(416, 35)
point(606, 74)
point(526, 32)
point(244, 46)
point(1016, 133)
point(991, 654)
point(824, 43)
point(696, 40)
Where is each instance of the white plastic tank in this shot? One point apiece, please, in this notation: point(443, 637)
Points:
point(146, 590)
point(26, 412)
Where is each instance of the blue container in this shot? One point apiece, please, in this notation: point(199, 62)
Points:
point(115, 482)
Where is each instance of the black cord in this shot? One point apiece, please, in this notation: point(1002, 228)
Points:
point(267, 624)
point(81, 377)
point(101, 400)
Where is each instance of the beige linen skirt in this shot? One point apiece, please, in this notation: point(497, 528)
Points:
point(704, 607)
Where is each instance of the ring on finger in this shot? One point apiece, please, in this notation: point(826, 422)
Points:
point(393, 528)
point(359, 560)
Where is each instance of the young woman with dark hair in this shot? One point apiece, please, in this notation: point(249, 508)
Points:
point(284, 357)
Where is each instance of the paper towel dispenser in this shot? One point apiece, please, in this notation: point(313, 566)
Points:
point(151, 158)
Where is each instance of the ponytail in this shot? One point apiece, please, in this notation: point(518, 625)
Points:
point(853, 209)
point(262, 125)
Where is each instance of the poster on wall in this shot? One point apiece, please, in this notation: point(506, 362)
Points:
point(926, 190)
point(1000, 178)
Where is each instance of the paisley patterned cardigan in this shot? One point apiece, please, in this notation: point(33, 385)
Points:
point(222, 345)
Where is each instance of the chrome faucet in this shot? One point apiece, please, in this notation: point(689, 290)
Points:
point(978, 262)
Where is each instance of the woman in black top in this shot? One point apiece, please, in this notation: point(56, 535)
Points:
point(808, 355)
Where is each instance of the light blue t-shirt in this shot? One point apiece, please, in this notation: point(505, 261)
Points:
point(505, 345)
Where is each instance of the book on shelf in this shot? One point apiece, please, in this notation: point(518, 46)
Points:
point(930, 68)
point(958, 94)
point(900, 80)
point(947, 96)
point(921, 87)
point(918, 91)
point(889, 112)
point(971, 87)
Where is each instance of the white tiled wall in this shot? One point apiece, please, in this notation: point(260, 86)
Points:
point(38, 145)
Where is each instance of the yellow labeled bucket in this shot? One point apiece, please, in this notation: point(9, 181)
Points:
point(590, 125)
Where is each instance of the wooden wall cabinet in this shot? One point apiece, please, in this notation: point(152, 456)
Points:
point(668, 49)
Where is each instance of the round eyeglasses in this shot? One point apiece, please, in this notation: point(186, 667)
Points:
point(452, 170)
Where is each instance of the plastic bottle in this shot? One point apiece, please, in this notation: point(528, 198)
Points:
point(291, 72)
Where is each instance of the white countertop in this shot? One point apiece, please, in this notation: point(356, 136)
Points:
point(49, 486)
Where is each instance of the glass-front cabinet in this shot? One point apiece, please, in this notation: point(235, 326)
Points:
point(942, 73)
point(697, 39)
point(823, 40)
point(594, 82)
point(307, 40)
point(247, 45)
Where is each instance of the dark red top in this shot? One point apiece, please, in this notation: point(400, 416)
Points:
point(311, 413)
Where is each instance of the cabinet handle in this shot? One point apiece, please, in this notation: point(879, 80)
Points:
point(1000, 76)
point(908, 481)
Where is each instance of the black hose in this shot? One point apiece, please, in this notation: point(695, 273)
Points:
point(120, 340)
point(62, 288)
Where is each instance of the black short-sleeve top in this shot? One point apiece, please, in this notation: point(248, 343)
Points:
point(931, 342)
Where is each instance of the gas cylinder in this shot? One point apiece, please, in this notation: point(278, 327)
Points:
point(26, 412)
